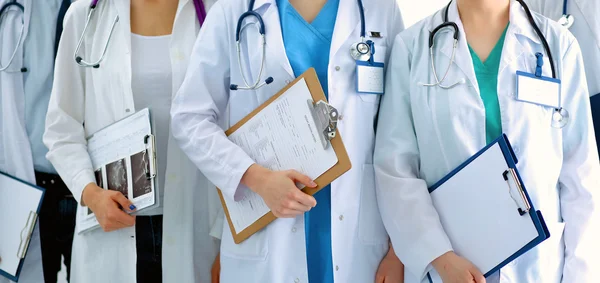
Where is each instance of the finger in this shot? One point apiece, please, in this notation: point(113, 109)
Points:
point(288, 213)
point(379, 279)
point(123, 201)
point(304, 199)
point(120, 218)
point(301, 178)
point(477, 276)
point(294, 205)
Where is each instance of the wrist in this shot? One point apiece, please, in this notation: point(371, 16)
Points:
point(89, 194)
point(254, 176)
point(440, 262)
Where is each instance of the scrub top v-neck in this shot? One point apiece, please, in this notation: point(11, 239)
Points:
point(307, 45)
point(487, 78)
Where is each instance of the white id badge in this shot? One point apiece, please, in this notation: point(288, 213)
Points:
point(370, 77)
point(538, 90)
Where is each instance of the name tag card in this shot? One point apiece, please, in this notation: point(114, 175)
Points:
point(370, 77)
point(541, 90)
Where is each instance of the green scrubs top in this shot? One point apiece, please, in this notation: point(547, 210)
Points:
point(487, 78)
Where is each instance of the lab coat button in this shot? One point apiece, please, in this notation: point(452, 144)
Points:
point(337, 68)
point(294, 230)
point(127, 110)
point(337, 268)
point(287, 82)
point(297, 280)
point(341, 217)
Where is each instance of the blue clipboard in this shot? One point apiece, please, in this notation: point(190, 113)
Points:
point(20, 267)
point(536, 215)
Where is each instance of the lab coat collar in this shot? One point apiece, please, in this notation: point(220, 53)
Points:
point(589, 9)
point(268, 10)
point(519, 23)
point(347, 20)
point(463, 57)
point(124, 24)
point(260, 3)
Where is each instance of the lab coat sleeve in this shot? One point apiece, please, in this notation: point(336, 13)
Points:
point(65, 135)
point(579, 181)
point(200, 107)
point(395, 26)
point(404, 202)
point(216, 231)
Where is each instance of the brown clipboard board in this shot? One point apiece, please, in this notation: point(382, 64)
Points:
point(341, 167)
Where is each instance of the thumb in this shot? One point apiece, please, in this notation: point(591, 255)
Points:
point(301, 178)
point(123, 201)
point(477, 275)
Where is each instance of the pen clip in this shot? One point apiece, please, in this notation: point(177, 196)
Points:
point(325, 117)
point(26, 234)
point(150, 155)
point(525, 206)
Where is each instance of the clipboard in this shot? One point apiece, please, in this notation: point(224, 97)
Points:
point(522, 206)
point(30, 203)
point(126, 151)
point(331, 135)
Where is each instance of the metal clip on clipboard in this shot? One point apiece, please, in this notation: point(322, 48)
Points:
point(26, 234)
point(150, 141)
point(326, 118)
point(514, 186)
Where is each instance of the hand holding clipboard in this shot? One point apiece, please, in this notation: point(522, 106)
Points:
point(278, 190)
point(296, 129)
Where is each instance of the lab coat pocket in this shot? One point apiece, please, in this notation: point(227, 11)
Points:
point(380, 56)
point(253, 248)
point(370, 226)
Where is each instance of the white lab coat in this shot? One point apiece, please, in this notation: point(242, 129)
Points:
point(99, 97)
point(15, 150)
point(586, 29)
point(205, 106)
point(425, 132)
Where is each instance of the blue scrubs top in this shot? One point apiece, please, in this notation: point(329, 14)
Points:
point(307, 45)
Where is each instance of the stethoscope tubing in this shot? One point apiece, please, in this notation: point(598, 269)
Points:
point(3, 12)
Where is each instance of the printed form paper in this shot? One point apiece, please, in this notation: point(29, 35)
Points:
point(282, 136)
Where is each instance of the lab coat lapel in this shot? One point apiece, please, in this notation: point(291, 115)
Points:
point(274, 38)
point(124, 24)
point(589, 9)
point(513, 49)
point(347, 20)
point(462, 57)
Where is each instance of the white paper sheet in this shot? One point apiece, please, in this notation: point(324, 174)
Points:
point(479, 214)
point(282, 136)
point(121, 160)
point(17, 200)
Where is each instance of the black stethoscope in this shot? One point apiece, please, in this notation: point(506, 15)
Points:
point(566, 20)
point(560, 116)
point(3, 11)
point(359, 51)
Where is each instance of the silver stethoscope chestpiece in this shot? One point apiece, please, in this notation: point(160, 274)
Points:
point(360, 51)
point(566, 20)
point(560, 118)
